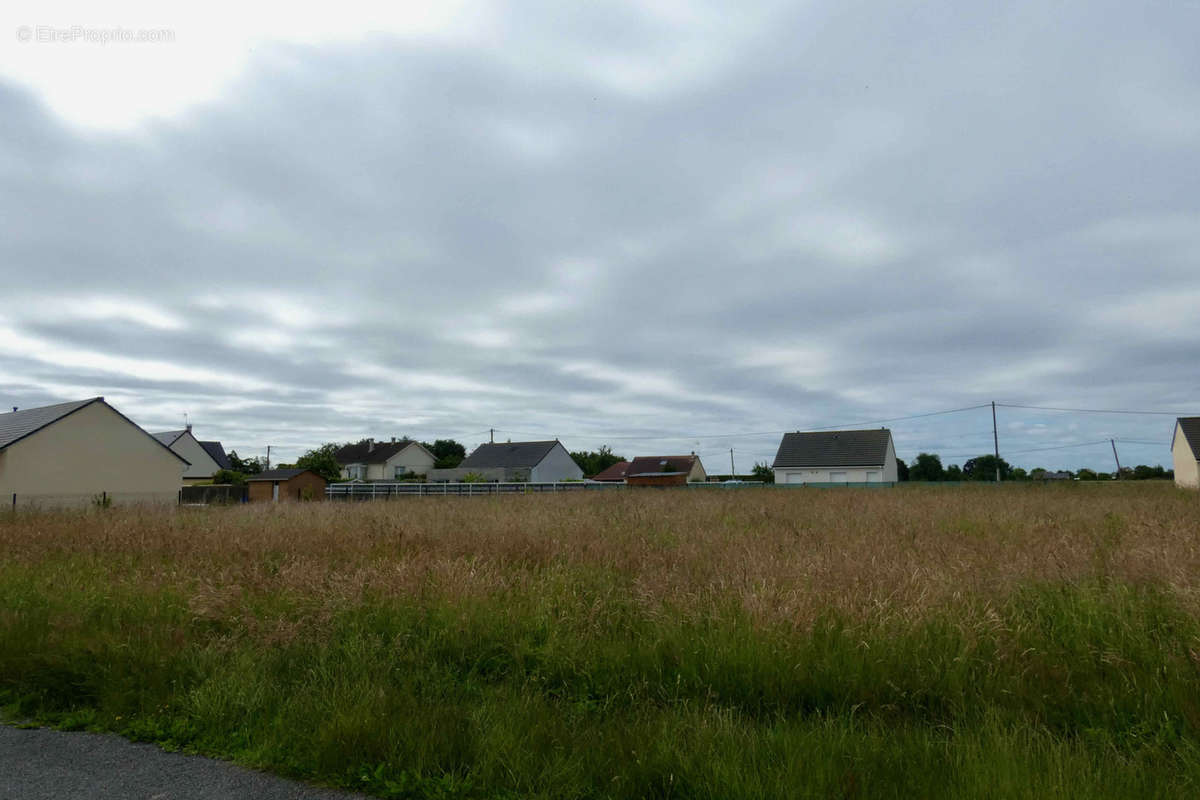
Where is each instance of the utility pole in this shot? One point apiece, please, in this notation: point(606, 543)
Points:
point(732, 471)
point(492, 435)
point(996, 441)
point(1116, 457)
point(268, 456)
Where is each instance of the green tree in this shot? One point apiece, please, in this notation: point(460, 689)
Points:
point(322, 461)
point(901, 470)
point(926, 467)
point(228, 476)
point(953, 473)
point(1019, 474)
point(1085, 474)
point(447, 452)
point(246, 466)
point(763, 472)
point(983, 468)
point(594, 462)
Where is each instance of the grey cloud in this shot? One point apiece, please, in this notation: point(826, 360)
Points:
point(848, 212)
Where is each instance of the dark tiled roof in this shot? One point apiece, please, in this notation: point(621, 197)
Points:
point(276, 475)
point(168, 437)
point(614, 473)
point(508, 455)
point(834, 449)
point(1191, 431)
point(362, 453)
point(645, 465)
point(17, 425)
point(217, 452)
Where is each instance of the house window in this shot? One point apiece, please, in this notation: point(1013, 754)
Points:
point(356, 472)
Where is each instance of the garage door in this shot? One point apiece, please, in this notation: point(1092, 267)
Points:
point(795, 477)
point(837, 477)
point(874, 477)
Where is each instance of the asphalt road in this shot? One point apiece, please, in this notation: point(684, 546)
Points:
point(42, 763)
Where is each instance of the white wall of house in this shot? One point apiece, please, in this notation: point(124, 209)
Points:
point(413, 458)
point(202, 464)
point(90, 451)
point(1187, 470)
point(556, 466)
point(697, 474)
point(833, 475)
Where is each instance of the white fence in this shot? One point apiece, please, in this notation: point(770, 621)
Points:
point(382, 491)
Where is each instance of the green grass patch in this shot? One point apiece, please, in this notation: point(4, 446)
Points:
point(562, 688)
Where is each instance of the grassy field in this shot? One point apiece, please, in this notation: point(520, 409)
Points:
point(1030, 641)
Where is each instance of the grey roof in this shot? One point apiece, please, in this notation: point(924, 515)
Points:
point(277, 475)
point(168, 437)
point(364, 452)
point(16, 425)
point(834, 449)
point(1191, 432)
point(508, 455)
point(217, 452)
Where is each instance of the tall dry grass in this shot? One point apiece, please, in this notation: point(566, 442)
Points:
point(783, 556)
point(920, 640)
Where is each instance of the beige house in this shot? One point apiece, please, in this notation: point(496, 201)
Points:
point(204, 458)
point(1185, 448)
point(369, 460)
point(867, 456)
point(75, 453)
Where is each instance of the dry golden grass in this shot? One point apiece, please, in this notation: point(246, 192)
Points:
point(1019, 640)
point(782, 555)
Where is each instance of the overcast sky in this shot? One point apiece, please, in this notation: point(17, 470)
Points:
point(608, 221)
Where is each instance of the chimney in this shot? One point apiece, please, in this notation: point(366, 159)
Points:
point(189, 427)
point(371, 445)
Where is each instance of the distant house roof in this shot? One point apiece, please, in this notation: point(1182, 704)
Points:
point(16, 425)
point(214, 449)
point(277, 475)
point(1191, 433)
point(168, 437)
point(508, 455)
point(659, 465)
point(368, 451)
point(614, 473)
point(217, 452)
point(834, 449)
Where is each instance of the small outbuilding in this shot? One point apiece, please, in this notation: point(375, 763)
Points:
point(1185, 449)
point(836, 457)
point(275, 485)
point(82, 452)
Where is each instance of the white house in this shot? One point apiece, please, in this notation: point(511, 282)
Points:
point(836, 457)
point(369, 460)
point(72, 453)
point(1185, 448)
point(517, 461)
point(204, 458)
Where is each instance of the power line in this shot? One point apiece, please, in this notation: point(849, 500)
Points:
point(845, 425)
point(1092, 410)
